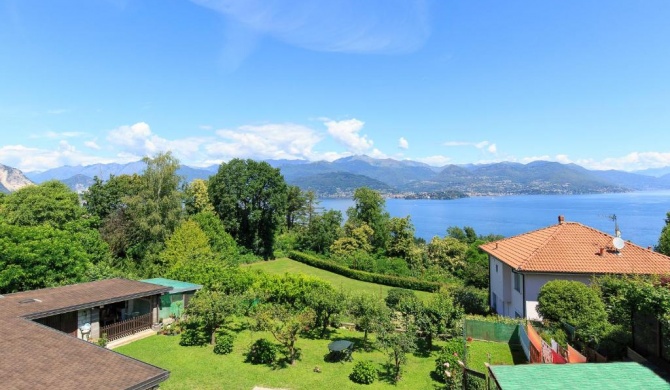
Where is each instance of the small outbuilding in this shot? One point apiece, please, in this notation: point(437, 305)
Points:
point(175, 302)
point(619, 375)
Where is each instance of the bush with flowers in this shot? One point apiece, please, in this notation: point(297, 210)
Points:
point(446, 364)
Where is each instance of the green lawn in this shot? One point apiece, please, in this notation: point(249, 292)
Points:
point(281, 266)
point(501, 353)
point(200, 368)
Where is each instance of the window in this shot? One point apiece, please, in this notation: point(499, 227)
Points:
point(517, 282)
point(495, 302)
point(496, 268)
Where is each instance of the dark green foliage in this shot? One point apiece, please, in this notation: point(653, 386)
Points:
point(33, 257)
point(224, 343)
point(212, 309)
point(392, 266)
point(364, 372)
point(327, 304)
point(664, 240)
point(250, 198)
point(262, 351)
point(322, 230)
point(370, 209)
point(388, 280)
point(103, 198)
point(471, 299)
point(475, 268)
point(220, 241)
point(194, 334)
point(397, 295)
point(51, 203)
point(577, 304)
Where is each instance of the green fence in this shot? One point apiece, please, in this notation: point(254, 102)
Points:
point(491, 331)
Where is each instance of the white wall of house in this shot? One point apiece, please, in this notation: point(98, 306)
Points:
point(501, 295)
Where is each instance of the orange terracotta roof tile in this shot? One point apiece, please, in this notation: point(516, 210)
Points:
point(570, 247)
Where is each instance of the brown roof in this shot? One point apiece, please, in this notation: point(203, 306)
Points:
point(570, 247)
point(34, 356)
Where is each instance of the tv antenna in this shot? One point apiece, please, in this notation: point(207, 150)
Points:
point(617, 242)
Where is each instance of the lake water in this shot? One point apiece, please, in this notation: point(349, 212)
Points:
point(641, 215)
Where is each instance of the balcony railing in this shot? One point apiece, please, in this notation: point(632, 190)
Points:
point(127, 327)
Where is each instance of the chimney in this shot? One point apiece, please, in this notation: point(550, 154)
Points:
point(602, 251)
point(561, 219)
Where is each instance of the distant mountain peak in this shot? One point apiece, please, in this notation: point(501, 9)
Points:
point(12, 179)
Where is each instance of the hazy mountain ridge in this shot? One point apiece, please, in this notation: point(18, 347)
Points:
point(12, 179)
point(405, 177)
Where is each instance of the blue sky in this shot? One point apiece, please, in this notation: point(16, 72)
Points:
point(84, 82)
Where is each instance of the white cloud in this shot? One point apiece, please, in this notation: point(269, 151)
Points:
point(403, 144)
point(492, 148)
point(270, 141)
point(346, 133)
point(482, 145)
point(436, 161)
point(35, 159)
point(92, 145)
point(373, 26)
point(139, 141)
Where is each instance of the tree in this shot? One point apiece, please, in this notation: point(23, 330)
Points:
point(397, 345)
point(474, 269)
point(33, 257)
point(104, 198)
point(664, 240)
point(156, 210)
point(250, 199)
point(223, 244)
point(402, 237)
point(285, 324)
point(356, 239)
point(213, 309)
point(369, 312)
point(296, 204)
point(196, 198)
point(438, 316)
point(327, 303)
point(447, 252)
point(50, 203)
point(575, 303)
point(369, 208)
point(322, 231)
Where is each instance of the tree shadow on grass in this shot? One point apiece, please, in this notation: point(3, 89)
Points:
point(318, 334)
point(423, 351)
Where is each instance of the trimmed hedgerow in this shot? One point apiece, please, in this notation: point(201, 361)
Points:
point(388, 280)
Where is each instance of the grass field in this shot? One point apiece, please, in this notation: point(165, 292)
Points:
point(200, 368)
point(501, 353)
point(284, 265)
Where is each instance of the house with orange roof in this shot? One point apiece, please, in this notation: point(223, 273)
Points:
point(520, 265)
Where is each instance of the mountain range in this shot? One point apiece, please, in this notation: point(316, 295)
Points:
point(401, 178)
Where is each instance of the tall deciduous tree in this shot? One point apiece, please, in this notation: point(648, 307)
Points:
point(402, 237)
point(196, 198)
point(250, 198)
point(322, 231)
point(222, 243)
point(103, 198)
point(370, 209)
point(51, 203)
point(155, 211)
point(296, 204)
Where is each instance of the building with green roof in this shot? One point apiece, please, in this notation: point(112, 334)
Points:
point(174, 303)
point(617, 375)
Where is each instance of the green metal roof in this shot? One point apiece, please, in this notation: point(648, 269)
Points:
point(619, 375)
point(177, 285)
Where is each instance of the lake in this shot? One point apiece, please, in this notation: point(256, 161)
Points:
point(640, 215)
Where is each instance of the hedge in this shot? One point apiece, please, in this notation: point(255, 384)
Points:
point(387, 280)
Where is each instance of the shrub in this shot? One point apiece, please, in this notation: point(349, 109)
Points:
point(446, 364)
point(364, 372)
point(193, 334)
point(471, 299)
point(103, 340)
point(224, 343)
point(262, 352)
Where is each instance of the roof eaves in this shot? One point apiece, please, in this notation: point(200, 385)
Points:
point(87, 305)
